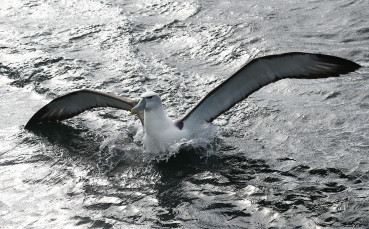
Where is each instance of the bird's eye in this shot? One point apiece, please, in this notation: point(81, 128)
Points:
point(149, 97)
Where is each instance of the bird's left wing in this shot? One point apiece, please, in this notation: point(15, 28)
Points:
point(260, 72)
point(74, 103)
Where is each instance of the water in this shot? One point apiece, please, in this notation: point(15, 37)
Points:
point(293, 155)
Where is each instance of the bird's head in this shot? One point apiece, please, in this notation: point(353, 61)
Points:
point(149, 100)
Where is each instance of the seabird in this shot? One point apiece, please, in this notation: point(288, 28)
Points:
point(160, 131)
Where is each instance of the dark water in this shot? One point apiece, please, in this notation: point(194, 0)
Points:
point(294, 155)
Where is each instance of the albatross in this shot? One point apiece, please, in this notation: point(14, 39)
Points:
point(160, 131)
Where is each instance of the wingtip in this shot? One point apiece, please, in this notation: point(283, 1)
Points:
point(31, 123)
point(28, 126)
point(346, 64)
point(37, 117)
point(351, 65)
point(357, 66)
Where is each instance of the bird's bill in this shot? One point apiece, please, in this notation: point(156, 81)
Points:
point(140, 106)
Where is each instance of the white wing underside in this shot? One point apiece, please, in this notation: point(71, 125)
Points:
point(258, 73)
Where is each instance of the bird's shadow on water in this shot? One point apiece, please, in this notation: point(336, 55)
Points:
point(238, 170)
point(189, 161)
point(72, 142)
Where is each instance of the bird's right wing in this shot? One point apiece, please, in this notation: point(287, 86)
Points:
point(74, 103)
point(260, 72)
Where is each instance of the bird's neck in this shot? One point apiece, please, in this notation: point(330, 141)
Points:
point(156, 120)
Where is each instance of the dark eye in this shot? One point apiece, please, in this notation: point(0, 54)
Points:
point(149, 97)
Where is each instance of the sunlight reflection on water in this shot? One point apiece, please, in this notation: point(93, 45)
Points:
point(293, 155)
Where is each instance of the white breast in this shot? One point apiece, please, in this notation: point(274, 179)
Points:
point(160, 132)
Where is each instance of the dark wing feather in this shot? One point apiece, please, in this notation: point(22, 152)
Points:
point(260, 72)
point(74, 103)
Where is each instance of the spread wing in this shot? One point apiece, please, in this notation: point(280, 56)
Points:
point(260, 72)
point(74, 103)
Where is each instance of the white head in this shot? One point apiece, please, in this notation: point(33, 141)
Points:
point(149, 100)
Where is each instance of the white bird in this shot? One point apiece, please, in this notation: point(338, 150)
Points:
point(161, 131)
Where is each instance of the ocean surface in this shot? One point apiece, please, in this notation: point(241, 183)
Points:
point(295, 154)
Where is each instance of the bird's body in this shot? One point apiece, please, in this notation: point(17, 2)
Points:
point(161, 131)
